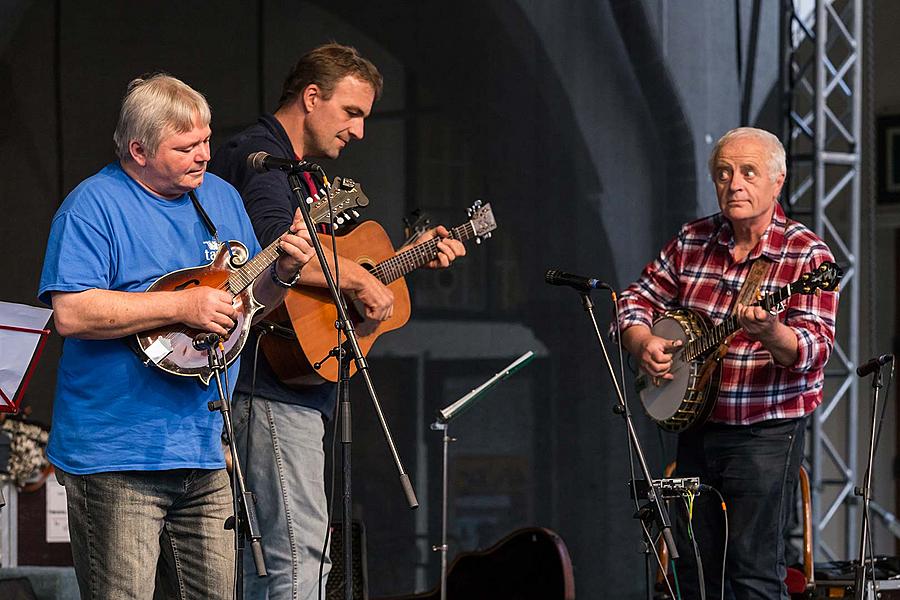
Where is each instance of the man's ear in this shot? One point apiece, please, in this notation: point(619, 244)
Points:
point(311, 96)
point(779, 182)
point(138, 152)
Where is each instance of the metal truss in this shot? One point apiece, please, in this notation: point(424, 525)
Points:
point(821, 75)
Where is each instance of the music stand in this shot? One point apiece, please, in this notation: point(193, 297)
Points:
point(442, 424)
point(22, 339)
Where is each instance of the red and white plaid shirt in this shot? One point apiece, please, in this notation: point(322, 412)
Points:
point(696, 271)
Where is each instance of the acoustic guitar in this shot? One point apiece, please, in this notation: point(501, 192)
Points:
point(171, 348)
point(306, 357)
point(687, 400)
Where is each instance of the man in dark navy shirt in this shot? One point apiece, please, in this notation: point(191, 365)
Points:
point(324, 103)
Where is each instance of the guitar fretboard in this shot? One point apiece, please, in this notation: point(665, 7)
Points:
point(409, 260)
point(718, 334)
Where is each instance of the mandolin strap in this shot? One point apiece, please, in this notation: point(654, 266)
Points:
point(750, 289)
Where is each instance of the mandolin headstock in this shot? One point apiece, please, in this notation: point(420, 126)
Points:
point(346, 197)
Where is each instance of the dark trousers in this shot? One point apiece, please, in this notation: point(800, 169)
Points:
point(755, 467)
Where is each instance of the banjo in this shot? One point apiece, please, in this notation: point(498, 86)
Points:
point(687, 400)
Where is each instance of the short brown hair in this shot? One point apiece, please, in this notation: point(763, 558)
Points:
point(325, 66)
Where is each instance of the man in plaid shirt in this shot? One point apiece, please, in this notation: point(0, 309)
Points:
point(771, 378)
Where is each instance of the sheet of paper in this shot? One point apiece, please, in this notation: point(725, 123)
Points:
point(17, 347)
point(57, 514)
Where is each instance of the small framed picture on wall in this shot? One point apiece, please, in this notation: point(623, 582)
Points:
point(889, 159)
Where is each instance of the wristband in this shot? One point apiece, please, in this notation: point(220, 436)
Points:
point(279, 281)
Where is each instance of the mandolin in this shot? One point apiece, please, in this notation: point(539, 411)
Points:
point(306, 357)
point(171, 348)
point(687, 400)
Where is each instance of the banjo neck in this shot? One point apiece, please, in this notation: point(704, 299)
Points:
point(720, 334)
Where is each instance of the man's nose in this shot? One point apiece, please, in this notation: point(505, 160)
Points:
point(357, 129)
point(203, 154)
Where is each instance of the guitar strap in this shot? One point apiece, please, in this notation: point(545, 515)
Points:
point(750, 289)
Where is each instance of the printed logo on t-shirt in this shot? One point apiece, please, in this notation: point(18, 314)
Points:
point(211, 248)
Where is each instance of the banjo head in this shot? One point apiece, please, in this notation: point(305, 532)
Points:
point(664, 400)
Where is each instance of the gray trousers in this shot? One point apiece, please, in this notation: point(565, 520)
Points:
point(284, 463)
point(138, 535)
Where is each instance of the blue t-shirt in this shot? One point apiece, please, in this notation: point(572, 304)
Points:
point(111, 412)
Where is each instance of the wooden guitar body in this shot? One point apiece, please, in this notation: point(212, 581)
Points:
point(312, 314)
point(172, 348)
point(309, 311)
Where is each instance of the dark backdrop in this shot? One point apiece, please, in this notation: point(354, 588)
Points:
point(586, 124)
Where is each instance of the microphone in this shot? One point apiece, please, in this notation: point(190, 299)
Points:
point(204, 341)
point(263, 161)
point(582, 284)
point(874, 364)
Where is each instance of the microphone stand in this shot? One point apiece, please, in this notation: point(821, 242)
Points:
point(245, 509)
point(442, 423)
point(865, 492)
point(657, 509)
point(345, 325)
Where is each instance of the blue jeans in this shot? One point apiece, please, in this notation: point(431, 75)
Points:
point(134, 532)
point(755, 467)
point(284, 465)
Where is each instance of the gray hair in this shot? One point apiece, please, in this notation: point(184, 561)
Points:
point(775, 164)
point(156, 106)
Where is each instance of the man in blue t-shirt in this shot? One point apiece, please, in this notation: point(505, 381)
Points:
point(324, 104)
point(137, 449)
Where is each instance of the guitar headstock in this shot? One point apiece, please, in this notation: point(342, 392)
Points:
point(825, 277)
point(346, 197)
point(481, 218)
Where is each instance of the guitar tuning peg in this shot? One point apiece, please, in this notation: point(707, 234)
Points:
point(478, 204)
point(340, 220)
point(309, 200)
point(478, 240)
point(487, 235)
point(355, 214)
point(335, 225)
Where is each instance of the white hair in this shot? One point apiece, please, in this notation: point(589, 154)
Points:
point(154, 107)
point(775, 164)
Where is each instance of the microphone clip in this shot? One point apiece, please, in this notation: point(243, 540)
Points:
point(205, 341)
